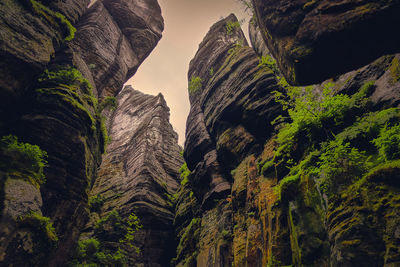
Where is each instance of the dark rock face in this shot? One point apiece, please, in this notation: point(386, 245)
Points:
point(46, 101)
point(113, 39)
point(316, 40)
point(256, 39)
point(270, 216)
point(223, 127)
point(234, 99)
point(139, 172)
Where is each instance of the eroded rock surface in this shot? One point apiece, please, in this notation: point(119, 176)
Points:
point(113, 39)
point(46, 101)
point(316, 40)
point(140, 173)
point(283, 208)
point(228, 107)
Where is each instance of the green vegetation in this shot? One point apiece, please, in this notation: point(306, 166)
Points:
point(388, 142)
point(41, 225)
point(90, 253)
point(185, 174)
point(65, 75)
point(23, 157)
point(108, 101)
point(195, 84)
point(332, 138)
point(54, 18)
point(226, 235)
point(211, 72)
point(106, 248)
point(270, 63)
point(237, 46)
point(187, 248)
point(231, 27)
point(95, 203)
point(248, 5)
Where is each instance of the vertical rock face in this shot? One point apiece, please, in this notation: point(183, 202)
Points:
point(230, 96)
point(316, 40)
point(113, 39)
point(46, 101)
point(306, 190)
point(140, 174)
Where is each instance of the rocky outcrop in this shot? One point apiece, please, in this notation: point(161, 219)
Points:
point(113, 39)
point(49, 91)
point(230, 96)
point(140, 174)
point(316, 40)
point(313, 189)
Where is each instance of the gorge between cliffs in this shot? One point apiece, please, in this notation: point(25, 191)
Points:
point(292, 146)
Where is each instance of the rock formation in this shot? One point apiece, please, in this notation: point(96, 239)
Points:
point(46, 101)
point(232, 98)
point(274, 174)
point(309, 187)
point(316, 40)
point(139, 173)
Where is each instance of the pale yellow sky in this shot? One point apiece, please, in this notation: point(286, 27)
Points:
point(165, 70)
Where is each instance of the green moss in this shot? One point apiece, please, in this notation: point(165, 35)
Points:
point(55, 18)
point(185, 174)
point(288, 187)
point(105, 139)
point(195, 84)
point(232, 27)
point(301, 52)
point(96, 202)
point(395, 70)
point(42, 226)
point(188, 240)
point(65, 85)
point(267, 167)
point(23, 158)
point(108, 101)
point(270, 63)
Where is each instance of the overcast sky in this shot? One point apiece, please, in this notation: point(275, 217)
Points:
point(165, 70)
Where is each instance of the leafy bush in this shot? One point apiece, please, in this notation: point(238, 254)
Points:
point(388, 142)
point(195, 84)
point(23, 157)
point(315, 117)
point(91, 253)
point(114, 228)
point(342, 164)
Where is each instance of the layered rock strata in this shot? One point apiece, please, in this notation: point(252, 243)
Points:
point(140, 173)
point(230, 96)
point(46, 46)
point(286, 204)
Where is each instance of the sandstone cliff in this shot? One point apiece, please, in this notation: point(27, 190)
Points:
point(311, 187)
point(46, 46)
point(140, 174)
